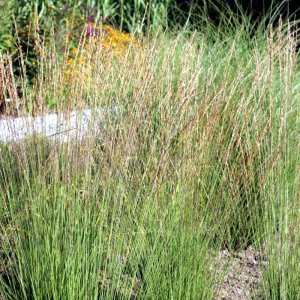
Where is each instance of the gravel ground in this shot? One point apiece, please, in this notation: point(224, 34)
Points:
point(243, 273)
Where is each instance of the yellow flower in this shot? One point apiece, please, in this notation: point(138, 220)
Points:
point(115, 42)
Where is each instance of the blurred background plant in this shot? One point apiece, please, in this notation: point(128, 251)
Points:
point(6, 24)
point(109, 42)
point(26, 26)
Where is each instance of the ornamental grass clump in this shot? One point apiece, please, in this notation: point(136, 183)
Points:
point(202, 155)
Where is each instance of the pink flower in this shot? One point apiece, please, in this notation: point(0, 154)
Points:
point(91, 29)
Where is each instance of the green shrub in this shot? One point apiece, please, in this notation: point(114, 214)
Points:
point(6, 25)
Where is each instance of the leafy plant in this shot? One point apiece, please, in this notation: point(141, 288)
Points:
point(6, 25)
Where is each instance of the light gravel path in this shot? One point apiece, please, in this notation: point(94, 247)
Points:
point(55, 126)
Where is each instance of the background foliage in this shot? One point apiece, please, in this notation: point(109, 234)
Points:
point(26, 24)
